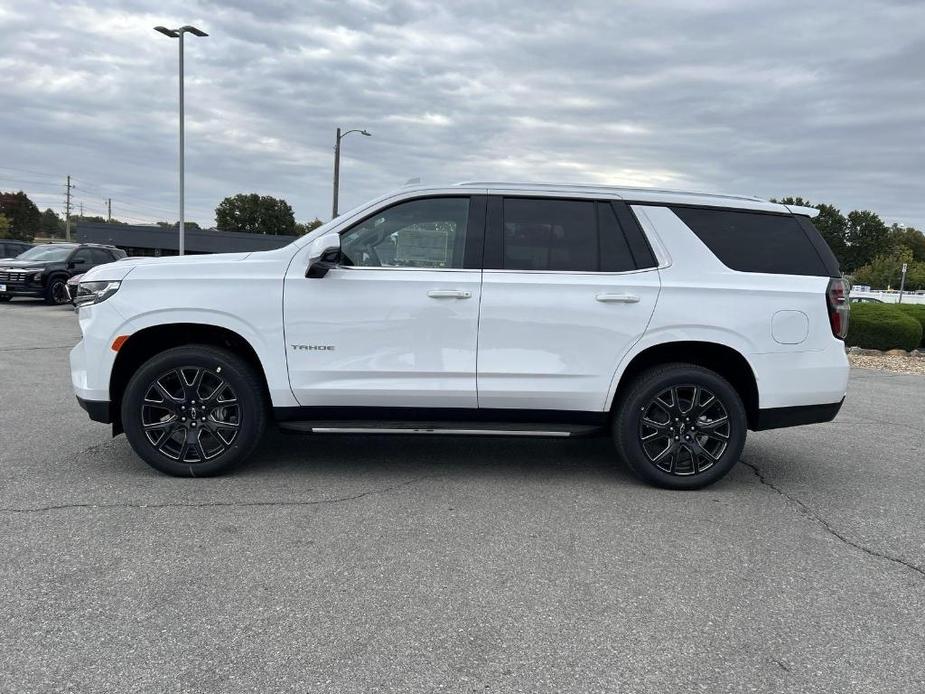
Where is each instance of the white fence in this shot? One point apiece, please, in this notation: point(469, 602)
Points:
point(891, 297)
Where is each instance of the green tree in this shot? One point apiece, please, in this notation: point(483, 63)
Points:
point(4, 227)
point(50, 223)
point(257, 214)
point(25, 218)
point(884, 271)
point(302, 228)
point(866, 237)
point(908, 237)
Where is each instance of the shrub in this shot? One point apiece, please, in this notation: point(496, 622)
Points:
point(882, 326)
point(917, 311)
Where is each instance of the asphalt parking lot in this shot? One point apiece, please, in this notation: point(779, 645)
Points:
point(430, 564)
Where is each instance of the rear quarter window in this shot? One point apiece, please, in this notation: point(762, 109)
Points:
point(756, 242)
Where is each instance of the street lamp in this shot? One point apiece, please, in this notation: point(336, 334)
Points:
point(337, 162)
point(178, 34)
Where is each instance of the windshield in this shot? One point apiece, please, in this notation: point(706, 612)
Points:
point(47, 253)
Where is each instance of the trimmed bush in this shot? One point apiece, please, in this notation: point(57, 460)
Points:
point(882, 326)
point(917, 311)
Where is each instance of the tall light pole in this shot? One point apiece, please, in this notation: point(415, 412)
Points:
point(178, 34)
point(337, 163)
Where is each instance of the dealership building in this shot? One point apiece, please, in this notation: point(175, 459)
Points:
point(137, 239)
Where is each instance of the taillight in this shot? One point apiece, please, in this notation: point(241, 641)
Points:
point(836, 297)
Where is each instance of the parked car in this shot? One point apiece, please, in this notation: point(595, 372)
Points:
point(43, 271)
point(10, 249)
point(864, 300)
point(671, 321)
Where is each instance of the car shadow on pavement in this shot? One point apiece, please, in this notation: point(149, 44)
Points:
point(391, 455)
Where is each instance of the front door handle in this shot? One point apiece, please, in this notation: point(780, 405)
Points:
point(449, 294)
point(618, 298)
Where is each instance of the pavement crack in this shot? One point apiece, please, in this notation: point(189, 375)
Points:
point(218, 504)
point(813, 515)
point(32, 349)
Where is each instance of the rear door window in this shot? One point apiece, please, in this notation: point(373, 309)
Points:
point(561, 235)
point(754, 241)
point(100, 256)
point(550, 235)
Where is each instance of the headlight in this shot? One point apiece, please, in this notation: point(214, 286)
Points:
point(37, 277)
point(89, 293)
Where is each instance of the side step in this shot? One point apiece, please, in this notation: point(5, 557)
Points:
point(445, 428)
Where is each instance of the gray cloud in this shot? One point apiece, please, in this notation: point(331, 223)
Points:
point(823, 99)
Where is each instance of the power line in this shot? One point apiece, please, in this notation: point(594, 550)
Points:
point(34, 173)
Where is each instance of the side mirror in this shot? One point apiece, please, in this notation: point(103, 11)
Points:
point(324, 255)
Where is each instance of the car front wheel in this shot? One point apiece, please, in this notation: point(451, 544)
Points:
point(680, 426)
point(194, 411)
point(56, 291)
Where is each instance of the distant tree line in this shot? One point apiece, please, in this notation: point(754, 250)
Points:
point(869, 251)
point(21, 219)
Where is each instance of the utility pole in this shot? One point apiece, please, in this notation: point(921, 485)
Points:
point(81, 210)
point(108, 210)
point(902, 283)
point(67, 212)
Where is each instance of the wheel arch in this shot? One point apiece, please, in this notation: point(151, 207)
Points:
point(723, 359)
point(146, 343)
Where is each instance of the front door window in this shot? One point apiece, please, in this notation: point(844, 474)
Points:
point(429, 233)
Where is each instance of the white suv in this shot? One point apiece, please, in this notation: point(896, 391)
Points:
point(673, 321)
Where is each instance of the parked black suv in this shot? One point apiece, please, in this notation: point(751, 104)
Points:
point(10, 248)
point(43, 271)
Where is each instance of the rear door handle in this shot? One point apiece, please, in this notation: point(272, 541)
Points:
point(449, 294)
point(618, 298)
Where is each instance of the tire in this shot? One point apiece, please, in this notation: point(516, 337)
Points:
point(4, 299)
point(56, 292)
point(194, 427)
point(688, 444)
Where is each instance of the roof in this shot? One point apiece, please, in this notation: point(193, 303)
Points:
point(195, 240)
point(639, 194)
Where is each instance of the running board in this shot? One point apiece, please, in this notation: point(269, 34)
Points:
point(444, 428)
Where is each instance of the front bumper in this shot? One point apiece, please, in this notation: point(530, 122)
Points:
point(17, 289)
point(98, 410)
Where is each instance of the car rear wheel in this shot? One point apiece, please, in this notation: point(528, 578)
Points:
point(194, 411)
point(680, 426)
point(4, 299)
point(56, 291)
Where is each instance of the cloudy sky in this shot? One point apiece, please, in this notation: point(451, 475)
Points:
point(820, 99)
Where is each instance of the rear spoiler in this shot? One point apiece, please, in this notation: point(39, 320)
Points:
point(805, 211)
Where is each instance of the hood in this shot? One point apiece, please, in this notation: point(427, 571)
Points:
point(111, 272)
point(27, 264)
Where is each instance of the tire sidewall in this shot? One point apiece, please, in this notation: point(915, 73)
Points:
point(650, 384)
point(242, 382)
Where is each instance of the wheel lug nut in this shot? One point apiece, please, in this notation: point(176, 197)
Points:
point(182, 419)
point(194, 423)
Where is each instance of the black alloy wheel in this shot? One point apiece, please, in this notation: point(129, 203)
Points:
point(680, 426)
point(190, 414)
point(56, 292)
point(684, 430)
